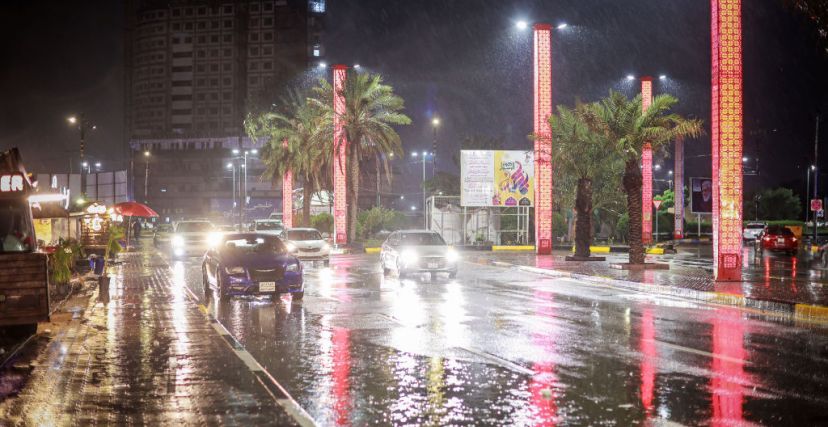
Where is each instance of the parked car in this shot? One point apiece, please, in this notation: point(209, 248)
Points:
point(162, 235)
point(752, 230)
point(778, 238)
point(418, 251)
point(252, 264)
point(307, 244)
point(193, 238)
point(268, 226)
point(227, 228)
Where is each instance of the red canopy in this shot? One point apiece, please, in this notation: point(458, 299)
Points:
point(134, 209)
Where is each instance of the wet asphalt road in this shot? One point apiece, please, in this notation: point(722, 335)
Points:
point(502, 347)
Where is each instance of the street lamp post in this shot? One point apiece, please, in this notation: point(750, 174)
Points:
point(425, 217)
point(82, 125)
point(435, 123)
point(238, 155)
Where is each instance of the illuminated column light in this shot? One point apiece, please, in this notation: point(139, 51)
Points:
point(543, 138)
point(646, 169)
point(726, 138)
point(678, 186)
point(287, 195)
point(340, 165)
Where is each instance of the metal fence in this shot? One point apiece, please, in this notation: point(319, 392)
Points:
point(459, 225)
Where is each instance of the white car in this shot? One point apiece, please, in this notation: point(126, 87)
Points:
point(307, 244)
point(752, 230)
point(418, 251)
point(273, 227)
point(193, 238)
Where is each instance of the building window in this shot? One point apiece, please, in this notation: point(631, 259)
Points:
point(214, 68)
point(268, 6)
point(214, 38)
point(254, 80)
point(202, 39)
point(200, 68)
point(267, 50)
point(254, 22)
point(254, 36)
point(213, 82)
point(227, 66)
point(214, 96)
point(268, 36)
point(228, 23)
point(176, 26)
point(226, 96)
point(176, 12)
point(267, 22)
point(188, 26)
point(228, 52)
point(228, 9)
point(202, 25)
point(188, 11)
point(254, 65)
point(202, 11)
point(316, 51)
point(254, 7)
point(228, 38)
point(267, 65)
point(227, 81)
point(254, 51)
point(214, 25)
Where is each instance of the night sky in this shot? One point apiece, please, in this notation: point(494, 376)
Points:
point(461, 59)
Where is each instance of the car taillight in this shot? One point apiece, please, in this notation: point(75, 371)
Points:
point(766, 238)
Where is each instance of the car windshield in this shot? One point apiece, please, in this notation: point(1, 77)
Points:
point(421, 239)
point(758, 226)
point(304, 235)
point(269, 225)
point(194, 227)
point(241, 245)
point(785, 231)
point(16, 229)
point(164, 228)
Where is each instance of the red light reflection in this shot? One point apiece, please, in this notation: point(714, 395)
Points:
point(647, 346)
point(544, 378)
point(341, 374)
point(728, 367)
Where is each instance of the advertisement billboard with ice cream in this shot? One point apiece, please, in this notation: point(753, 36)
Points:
point(496, 178)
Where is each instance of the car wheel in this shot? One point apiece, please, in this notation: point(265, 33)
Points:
point(298, 296)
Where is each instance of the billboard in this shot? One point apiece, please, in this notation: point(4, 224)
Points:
point(701, 195)
point(497, 178)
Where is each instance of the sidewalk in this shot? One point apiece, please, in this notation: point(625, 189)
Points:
point(143, 354)
point(789, 291)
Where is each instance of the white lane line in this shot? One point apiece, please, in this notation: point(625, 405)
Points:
point(700, 352)
point(499, 361)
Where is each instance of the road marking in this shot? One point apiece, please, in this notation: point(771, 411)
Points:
point(497, 360)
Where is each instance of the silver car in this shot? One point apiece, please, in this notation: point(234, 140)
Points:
point(418, 251)
point(752, 230)
point(307, 244)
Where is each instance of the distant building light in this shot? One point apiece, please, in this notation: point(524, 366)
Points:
point(316, 52)
point(163, 190)
point(317, 6)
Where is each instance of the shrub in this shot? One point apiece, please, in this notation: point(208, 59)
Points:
point(322, 222)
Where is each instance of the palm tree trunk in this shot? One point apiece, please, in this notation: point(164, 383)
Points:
point(307, 194)
point(353, 195)
point(632, 181)
point(583, 225)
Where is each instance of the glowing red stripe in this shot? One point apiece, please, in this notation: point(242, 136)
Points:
point(543, 140)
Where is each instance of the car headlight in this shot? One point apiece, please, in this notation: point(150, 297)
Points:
point(326, 247)
point(409, 256)
point(177, 240)
point(235, 270)
point(452, 255)
point(214, 239)
point(292, 268)
point(290, 247)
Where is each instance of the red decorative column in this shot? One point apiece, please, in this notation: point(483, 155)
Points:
point(646, 169)
point(287, 195)
point(340, 161)
point(543, 138)
point(726, 138)
point(678, 187)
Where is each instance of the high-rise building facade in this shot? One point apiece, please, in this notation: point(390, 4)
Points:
point(194, 70)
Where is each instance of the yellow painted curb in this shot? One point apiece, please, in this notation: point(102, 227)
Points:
point(596, 249)
point(513, 248)
point(372, 250)
point(811, 311)
point(728, 299)
point(655, 251)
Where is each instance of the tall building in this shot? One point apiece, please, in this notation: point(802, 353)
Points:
point(194, 69)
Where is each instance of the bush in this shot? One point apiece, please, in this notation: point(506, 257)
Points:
point(322, 222)
point(559, 226)
point(376, 219)
point(622, 227)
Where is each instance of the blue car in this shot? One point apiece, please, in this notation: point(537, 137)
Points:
point(252, 264)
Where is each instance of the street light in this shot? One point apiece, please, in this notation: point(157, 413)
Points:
point(146, 174)
point(662, 77)
point(562, 25)
point(82, 125)
point(522, 25)
point(630, 77)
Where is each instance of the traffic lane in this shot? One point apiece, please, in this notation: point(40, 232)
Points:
point(505, 347)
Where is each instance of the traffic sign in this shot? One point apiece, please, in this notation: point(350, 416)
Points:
point(816, 205)
point(657, 203)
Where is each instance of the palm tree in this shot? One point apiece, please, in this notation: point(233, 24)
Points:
point(582, 155)
point(371, 110)
point(307, 152)
point(623, 122)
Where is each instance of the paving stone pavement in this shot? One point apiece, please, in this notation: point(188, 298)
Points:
point(783, 279)
point(145, 355)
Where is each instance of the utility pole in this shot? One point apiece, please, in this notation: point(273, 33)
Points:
point(816, 172)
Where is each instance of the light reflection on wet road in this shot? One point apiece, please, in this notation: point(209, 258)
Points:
point(497, 346)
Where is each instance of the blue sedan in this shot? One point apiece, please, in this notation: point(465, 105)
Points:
point(252, 264)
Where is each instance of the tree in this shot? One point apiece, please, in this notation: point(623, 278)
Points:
point(776, 204)
point(372, 109)
point(581, 155)
point(623, 122)
point(307, 153)
point(447, 183)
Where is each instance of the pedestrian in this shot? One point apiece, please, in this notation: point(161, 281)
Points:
point(136, 229)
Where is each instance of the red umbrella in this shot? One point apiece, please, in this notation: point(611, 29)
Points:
point(134, 209)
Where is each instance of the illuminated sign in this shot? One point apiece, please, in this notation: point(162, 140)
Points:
point(543, 137)
point(726, 141)
point(496, 178)
point(11, 183)
point(340, 164)
point(95, 208)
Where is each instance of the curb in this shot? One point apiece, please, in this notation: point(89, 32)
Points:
point(807, 312)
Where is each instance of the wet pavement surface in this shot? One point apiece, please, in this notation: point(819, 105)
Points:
point(502, 347)
point(141, 354)
point(766, 276)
